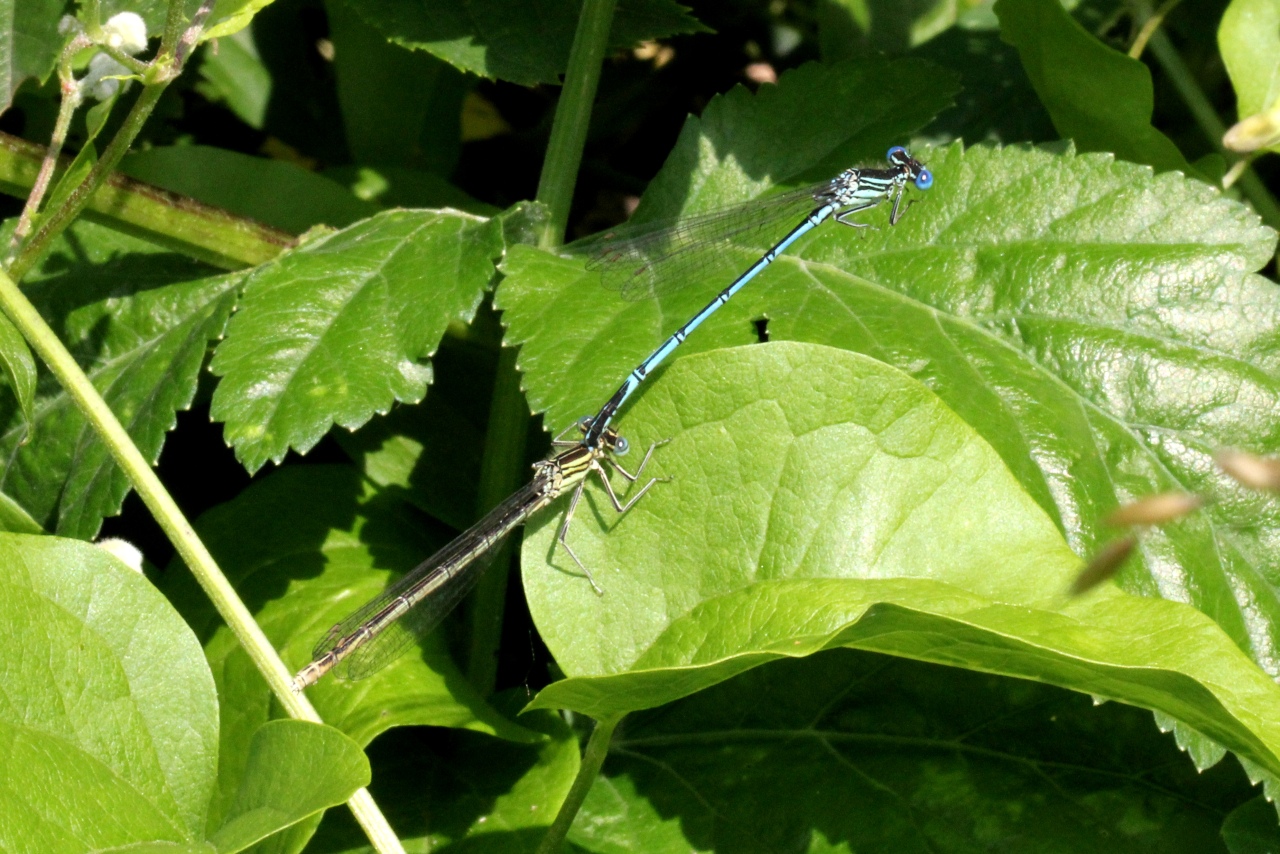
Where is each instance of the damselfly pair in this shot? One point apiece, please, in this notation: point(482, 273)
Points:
point(639, 261)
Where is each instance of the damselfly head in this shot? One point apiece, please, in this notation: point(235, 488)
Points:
point(920, 176)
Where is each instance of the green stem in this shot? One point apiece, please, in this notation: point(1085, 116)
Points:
point(501, 472)
point(201, 231)
point(1152, 23)
point(57, 220)
point(1210, 123)
point(573, 115)
point(162, 506)
point(592, 760)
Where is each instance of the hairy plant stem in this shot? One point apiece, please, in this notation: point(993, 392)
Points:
point(66, 109)
point(202, 231)
point(592, 760)
point(58, 220)
point(573, 116)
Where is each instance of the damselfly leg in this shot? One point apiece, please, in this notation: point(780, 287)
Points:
point(562, 535)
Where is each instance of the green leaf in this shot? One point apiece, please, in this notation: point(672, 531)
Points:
point(393, 187)
point(304, 546)
point(20, 369)
point(236, 76)
point(109, 722)
point(1098, 326)
point(287, 528)
point(996, 101)
point(731, 153)
point(432, 452)
point(399, 107)
point(443, 788)
point(294, 769)
point(273, 192)
point(138, 319)
point(30, 45)
point(1252, 828)
point(1096, 96)
point(1249, 38)
point(819, 499)
point(16, 520)
point(525, 43)
point(848, 751)
point(364, 308)
point(231, 16)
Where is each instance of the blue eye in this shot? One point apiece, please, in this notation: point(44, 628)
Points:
point(621, 447)
point(895, 150)
point(924, 180)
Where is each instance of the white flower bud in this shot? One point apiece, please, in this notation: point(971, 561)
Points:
point(126, 32)
point(123, 550)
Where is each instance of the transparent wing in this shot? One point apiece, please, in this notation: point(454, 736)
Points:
point(430, 590)
point(655, 258)
point(420, 620)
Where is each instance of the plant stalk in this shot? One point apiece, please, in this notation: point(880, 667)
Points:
point(58, 220)
point(592, 761)
point(201, 231)
point(501, 472)
point(573, 116)
point(179, 531)
point(1210, 123)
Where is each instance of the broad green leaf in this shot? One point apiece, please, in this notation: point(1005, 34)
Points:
point(15, 520)
point(339, 329)
point(109, 720)
point(731, 153)
point(278, 789)
point(399, 107)
point(846, 752)
point(1249, 38)
point(996, 101)
point(432, 452)
point(273, 192)
point(819, 499)
point(851, 28)
point(138, 319)
point(234, 74)
point(393, 187)
point(19, 369)
point(304, 547)
point(523, 42)
point(1097, 97)
point(445, 789)
point(1252, 829)
point(1098, 326)
point(30, 43)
